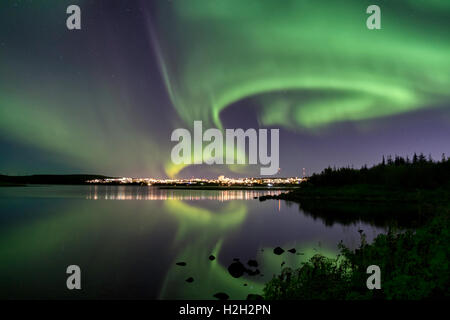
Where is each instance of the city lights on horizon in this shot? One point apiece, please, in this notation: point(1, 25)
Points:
point(219, 181)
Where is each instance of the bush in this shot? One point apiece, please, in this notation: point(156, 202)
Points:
point(414, 265)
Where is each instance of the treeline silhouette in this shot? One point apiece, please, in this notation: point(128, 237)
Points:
point(50, 179)
point(419, 172)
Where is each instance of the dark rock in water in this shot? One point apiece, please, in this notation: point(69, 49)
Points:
point(182, 264)
point(252, 273)
point(252, 263)
point(254, 297)
point(245, 284)
point(278, 251)
point(283, 263)
point(190, 279)
point(236, 269)
point(292, 250)
point(221, 296)
point(211, 257)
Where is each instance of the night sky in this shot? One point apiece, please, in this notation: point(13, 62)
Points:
point(106, 98)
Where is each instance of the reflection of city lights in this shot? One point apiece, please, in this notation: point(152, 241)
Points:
point(124, 193)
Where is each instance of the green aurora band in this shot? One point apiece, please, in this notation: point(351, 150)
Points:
point(306, 64)
point(328, 66)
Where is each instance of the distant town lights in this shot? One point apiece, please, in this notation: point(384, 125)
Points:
point(221, 181)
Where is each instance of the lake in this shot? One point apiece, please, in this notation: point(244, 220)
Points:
point(128, 239)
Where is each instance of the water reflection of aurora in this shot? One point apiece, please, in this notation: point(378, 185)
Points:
point(129, 248)
point(208, 228)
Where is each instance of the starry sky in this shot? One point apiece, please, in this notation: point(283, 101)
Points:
point(106, 98)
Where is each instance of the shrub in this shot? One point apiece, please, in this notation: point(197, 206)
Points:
point(414, 265)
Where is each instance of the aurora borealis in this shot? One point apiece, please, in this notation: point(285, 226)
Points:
point(106, 98)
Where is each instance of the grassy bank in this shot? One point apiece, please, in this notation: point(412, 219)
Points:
point(413, 264)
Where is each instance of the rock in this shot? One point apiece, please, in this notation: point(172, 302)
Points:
point(245, 284)
point(236, 269)
point(278, 251)
point(182, 264)
point(252, 263)
point(283, 263)
point(190, 279)
point(221, 296)
point(253, 273)
point(211, 257)
point(292, 250)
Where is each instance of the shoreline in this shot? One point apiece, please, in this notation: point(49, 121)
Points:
point(363, 194)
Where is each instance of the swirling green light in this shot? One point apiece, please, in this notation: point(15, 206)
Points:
point(216, 53)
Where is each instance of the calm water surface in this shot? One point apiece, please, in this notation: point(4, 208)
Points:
point(128, 239)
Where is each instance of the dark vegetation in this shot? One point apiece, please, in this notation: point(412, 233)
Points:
point(397, 191)
point(413, 264)
point(419, 172)
point(396, 179)
point(414, 261)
